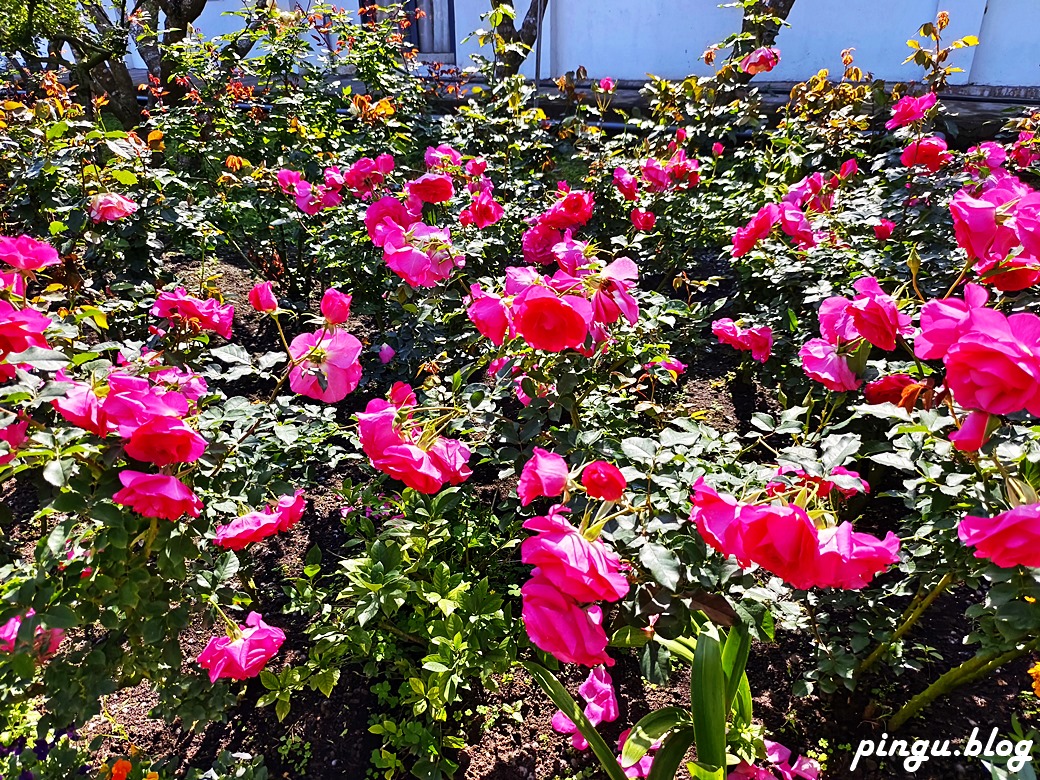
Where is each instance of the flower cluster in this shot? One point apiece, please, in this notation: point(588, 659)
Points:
point(254, 526)
point(778, 765)
point(847, 325)
point(997, 223)
point(782, 538)
point(559, 312)
point(572, 571)
point(815, 193)
point(45, 640)
point(757, 341)
point(399, 445)
point(362, 179)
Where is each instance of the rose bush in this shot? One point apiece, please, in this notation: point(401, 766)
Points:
point(453, 362)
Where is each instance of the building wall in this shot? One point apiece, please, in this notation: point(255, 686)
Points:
point(627, 39)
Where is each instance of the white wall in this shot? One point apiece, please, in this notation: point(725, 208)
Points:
point(1009, 54)
point(626, 39)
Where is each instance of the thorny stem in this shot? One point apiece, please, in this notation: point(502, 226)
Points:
point(908, 620)
point(973, 669)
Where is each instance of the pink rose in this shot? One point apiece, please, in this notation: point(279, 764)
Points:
point(432, 188)
point(757, 341)
point(110, 207)
point(394, 449)
point(19, 330)
point(995, 366)
point(335, 306)
point(974, 432)
point(929, 153)
point(193, 313)
point(549, 322)
point(601, 706)
point(603, 480)
point(656, 176)
point(27, 254)
point(822, 363)
point(289, 510)
point(440, 157)
point(327, 366)
point(760, 226)
point(1010, 539)
point(262, 297)
point(386, 354)
point(560, 626)
point(164, 441)
point(423, 256)
point(538, 243)
point(945, 320)
point(82, 408)
point(157, 495)
point(245, 656)
point(289, 180)
point(483, 211)
point(626, 184)
point(572, 210)
point(585, 571)
point(489, 313)
point(13, 435)
point(760, 60)
point(247, 529)
point(386, 215)
point(544, 474)
point(883, 230)
point(849, 560)
point(910, 109)
point(643, 220)
point(607, 84)
point(613, 298)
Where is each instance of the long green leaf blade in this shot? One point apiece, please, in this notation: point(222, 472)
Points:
point(671, 755)
point(734, 659)
point(708, 700)
point(555, 691)
point(648, 730)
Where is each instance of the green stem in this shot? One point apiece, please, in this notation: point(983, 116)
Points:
point(971, 670)
point(909, 619)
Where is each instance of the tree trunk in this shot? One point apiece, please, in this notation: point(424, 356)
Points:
point(179, 15)
point(766, 33)
point(520, 40)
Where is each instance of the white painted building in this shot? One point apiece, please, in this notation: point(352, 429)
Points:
point(627, 39)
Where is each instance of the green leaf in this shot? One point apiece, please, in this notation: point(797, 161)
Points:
point(281, 708)
point(742, 703)
point(59, 616)
point(326, 680)
point(642, 451)
point(671, 755)
point(708, 700)
point(436, 666)
point(734, 659)
point(662, 563)
point(570, 708)
point(58, 471)
point(129, 178)
point(231, 353)
point(39, 358)
point(227, 567)
point(629, 636)
point(648, 730)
